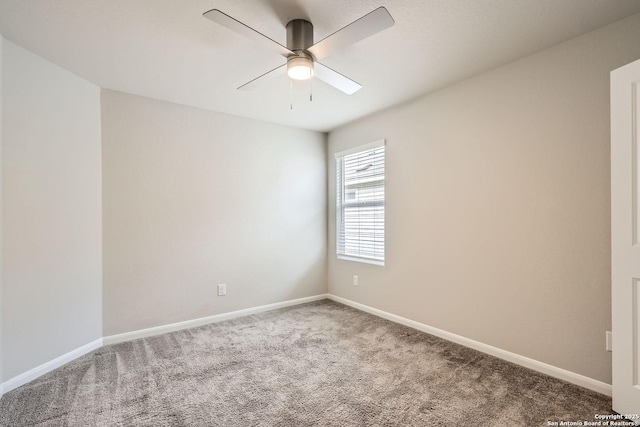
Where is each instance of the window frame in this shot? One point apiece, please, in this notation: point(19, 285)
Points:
point(341, 206)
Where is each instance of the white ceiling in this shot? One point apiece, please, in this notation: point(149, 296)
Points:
point(165, 49)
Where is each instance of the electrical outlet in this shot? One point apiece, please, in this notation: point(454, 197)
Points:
point(222, 290)
point(609, 341)
point(355, 280)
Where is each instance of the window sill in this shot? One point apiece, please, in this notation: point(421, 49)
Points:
point(363, 260)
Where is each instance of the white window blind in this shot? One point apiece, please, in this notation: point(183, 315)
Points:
point(360, 203)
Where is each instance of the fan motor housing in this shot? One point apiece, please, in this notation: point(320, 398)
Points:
point(299, 35)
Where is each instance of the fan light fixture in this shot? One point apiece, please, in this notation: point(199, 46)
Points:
point(300, 68)
point(302, 53)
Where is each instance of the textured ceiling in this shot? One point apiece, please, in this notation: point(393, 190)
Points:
point(165, 49)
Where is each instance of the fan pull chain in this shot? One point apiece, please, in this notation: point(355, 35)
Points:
point(291, 94)
point(310, 86)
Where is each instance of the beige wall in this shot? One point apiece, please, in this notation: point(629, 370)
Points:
point(498, 225)
point(1, 145)
point(51, 184)
point(194, 198)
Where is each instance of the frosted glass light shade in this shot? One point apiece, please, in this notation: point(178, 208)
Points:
point(300, 68)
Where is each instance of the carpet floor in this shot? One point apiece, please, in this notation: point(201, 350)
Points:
point(317, 364)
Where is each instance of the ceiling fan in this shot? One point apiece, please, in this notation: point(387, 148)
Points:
point(301, 53)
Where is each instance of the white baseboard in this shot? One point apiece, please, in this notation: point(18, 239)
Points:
point(157, 330)
point(49, 366)
point(535, 365)
point(552, 371)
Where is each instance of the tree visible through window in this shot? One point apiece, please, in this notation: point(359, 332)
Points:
point(360, 203)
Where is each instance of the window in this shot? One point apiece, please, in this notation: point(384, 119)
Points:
point(360, 203)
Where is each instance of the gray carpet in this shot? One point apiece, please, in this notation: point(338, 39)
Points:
point(317, 364)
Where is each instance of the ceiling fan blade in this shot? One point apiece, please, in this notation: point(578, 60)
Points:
point(278, 71)
point(233, 24)
point(362, 28)
point(335, 79)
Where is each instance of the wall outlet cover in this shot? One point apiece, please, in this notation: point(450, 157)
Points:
point(222, 290)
